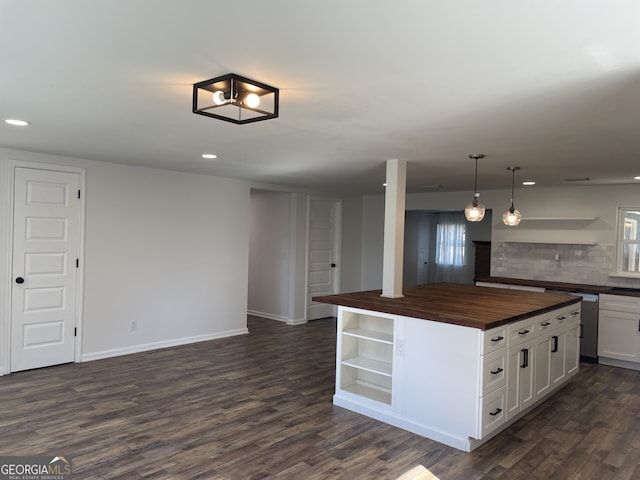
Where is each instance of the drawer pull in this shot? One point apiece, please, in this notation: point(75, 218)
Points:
point(574, 313)
point(497, 371)
point(493, 414)
point(497, 339)
point(562, 317)
point(545, 324)
point(524, 332)
point(555, 344)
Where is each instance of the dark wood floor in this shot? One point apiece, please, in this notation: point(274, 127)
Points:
point(259, 406)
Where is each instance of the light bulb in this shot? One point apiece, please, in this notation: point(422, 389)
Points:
point(474, 211)
point(218, 98)
point(511, 217)
point(252, 100)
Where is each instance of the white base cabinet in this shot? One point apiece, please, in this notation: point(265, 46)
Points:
point(619, 331)
point(453, 384)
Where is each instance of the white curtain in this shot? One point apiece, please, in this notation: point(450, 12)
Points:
point(451, 256)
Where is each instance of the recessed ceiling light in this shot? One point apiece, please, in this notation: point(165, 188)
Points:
point(209, 155)
point(529, 182)
point(636, 178)
point(16, 122)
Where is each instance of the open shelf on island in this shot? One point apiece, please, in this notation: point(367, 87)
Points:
point(373, 335)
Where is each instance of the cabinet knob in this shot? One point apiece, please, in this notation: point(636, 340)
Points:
point(19, 280)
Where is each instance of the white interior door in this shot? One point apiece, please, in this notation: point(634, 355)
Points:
point(45, 253)
point(322, 263)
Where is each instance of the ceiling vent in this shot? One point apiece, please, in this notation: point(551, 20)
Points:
point(581, 179)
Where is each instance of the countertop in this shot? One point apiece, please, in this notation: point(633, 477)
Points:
point(465, 305)
point(562, 286)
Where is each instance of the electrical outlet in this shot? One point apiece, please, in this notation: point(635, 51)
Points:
point(134, 325)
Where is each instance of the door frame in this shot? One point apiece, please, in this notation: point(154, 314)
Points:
point(5, 345)
point(336, 244)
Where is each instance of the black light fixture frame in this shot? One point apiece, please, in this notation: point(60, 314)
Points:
point(234, 88)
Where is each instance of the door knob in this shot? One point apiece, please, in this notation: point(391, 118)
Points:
point(19, 280)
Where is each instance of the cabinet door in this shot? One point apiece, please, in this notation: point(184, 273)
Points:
point(619, 335)
point(558, 354)
point(520, 380)
point(543, 365)
point(527, 390)
point(572, 356)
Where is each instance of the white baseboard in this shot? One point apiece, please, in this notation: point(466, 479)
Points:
point(145, 347)
point(269, 316)
point(279, 318)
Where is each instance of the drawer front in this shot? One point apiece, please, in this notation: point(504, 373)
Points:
point(545, 322)
point(522, 331)
point(567, 315)
point(494, 371)
point(494, 339)
point(493, 411)
point(620, 303)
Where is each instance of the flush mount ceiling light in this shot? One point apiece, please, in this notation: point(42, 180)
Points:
point(16, 122)
point(511, 217)
point(474, 211)
point(235, 99)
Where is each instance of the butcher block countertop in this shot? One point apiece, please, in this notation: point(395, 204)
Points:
point(465, 305)
point(565, 287)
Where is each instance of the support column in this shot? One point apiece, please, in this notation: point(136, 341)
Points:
point(394, 205)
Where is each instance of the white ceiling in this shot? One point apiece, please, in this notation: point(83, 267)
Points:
point(550, 86)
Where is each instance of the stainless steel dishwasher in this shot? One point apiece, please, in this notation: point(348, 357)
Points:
point(588, 325)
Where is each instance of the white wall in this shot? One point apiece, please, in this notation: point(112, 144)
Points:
point(166, 249)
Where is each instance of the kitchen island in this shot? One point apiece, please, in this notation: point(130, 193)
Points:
point(454, 363)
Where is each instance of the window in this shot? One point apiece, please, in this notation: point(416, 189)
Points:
point(450, 244)
point(628, 255)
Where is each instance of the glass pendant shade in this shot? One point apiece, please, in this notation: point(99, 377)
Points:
point(511, 217)
point(474, 211)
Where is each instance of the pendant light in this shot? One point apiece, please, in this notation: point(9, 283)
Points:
point(474, 211)
point(511, 217)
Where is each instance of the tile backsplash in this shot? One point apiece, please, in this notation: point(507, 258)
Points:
point(586, 264)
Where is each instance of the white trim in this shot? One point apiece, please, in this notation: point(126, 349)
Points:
point(145, 347)
point(5, 320)
point(269, 316)
point(5, 346)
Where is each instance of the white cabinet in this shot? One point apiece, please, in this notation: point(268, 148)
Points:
point(542, 382)
point(520, 390)
point(619, 331)
point(493, 396)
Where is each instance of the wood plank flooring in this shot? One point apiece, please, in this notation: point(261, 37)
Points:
point(258, 406)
